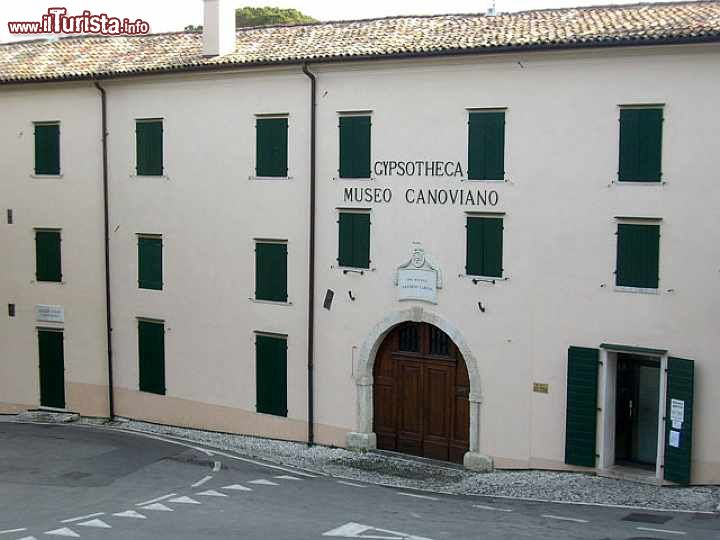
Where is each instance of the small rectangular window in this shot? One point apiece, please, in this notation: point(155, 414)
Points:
point(640, 144)
point(47, 148)
point(486, 145)
point(484, 246)
point(48, 265)
point(355, 146)
point(150, 264)
point(151, 352)
point(271, 147)
point(271, 271)
point(354, 240)
point(271, 374)
point(149, 147)
point(638, 255)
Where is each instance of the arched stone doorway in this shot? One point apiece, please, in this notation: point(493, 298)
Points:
point(364, 437)
point(420, 398)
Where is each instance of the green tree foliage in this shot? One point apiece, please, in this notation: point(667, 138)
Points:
point(263, 16)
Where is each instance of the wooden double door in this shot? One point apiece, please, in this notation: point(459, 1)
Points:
point(421, 390)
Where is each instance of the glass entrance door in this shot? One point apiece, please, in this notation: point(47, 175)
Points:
point(636, 410)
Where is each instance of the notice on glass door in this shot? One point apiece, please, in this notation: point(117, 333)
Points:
point(674, 438)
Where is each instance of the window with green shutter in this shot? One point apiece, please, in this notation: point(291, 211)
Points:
point(638, 255)
point(149, 147)
point(484, 246)
point(271, 147)
point(47, 256)
point(581, 412)
point(150, 265)
point(151, 352)
point(640, 144)
point(486, 145)
point(354, 240)
point(355, 146)
point(47, 148)
point(271, 271)
point(271, 374)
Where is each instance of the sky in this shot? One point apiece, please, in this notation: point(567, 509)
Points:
point(171, 15)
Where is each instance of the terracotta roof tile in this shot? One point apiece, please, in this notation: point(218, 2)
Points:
point(91, 56)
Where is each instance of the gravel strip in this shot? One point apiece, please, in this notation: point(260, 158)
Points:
point(408, 473)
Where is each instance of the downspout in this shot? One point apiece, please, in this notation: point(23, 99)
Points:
point(311, 264)
point(111, 400)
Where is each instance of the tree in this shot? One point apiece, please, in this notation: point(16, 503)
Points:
point(262, 16)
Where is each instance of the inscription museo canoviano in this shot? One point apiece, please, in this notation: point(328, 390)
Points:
point(468, 197)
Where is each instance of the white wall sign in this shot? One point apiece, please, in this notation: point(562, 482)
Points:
point(47, 313)
point(418, 279)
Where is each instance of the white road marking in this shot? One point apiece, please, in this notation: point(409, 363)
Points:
point(666, 531)
point(344, 483)
point(184, 500)
point(211, 493)
point(202, 481)
point(286, 477)
point(12, 531)
point(494, 508)
point(99, 523)
point(217, 466)
point(261, 464)
point(237, 487)
point(356, 530)
point(27, 538)
point(263, 482)
point(130, 514)
point(64, 532)
point(158, 499)
point(563, 518)
point(427, 497)
point(158, 506)
point(82, 517)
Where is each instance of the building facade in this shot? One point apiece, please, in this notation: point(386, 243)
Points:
point(511, 255)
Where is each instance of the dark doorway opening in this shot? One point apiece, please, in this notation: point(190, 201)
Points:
point(52, 369)
point(637, 410)
point(421, 391)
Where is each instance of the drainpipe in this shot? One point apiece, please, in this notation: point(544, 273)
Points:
point(311, 264)
point(103, 102)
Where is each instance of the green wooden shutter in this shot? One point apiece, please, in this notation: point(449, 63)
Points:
point(52, 369)
point(640, 145)
point(150, 266)
point(271, 147)
point(581, 414)
point(271, 374)
point(151, 349)
point(473, 247)
point(680, 387)
point(355, 146)
point(486, 146)
point(149, 147)
point(345, 239)
point(492, 247)
point(47, 256)
point(361, 240)
point(484, 246)
point(638, 255)
point(271, 271)
point(347, 154)
point(47, 149)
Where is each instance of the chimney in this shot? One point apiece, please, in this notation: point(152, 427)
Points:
point(218, 27)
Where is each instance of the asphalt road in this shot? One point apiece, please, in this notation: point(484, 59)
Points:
point(83, 482)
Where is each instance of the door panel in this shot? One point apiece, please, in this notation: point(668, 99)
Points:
point(410, 413)
point(437, 395)
point(52, 369)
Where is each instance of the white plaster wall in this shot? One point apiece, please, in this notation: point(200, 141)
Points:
point(559, 243)
point(72, 203)
point(209, 212)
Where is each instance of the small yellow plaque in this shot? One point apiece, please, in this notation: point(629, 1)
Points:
point(541, 388)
